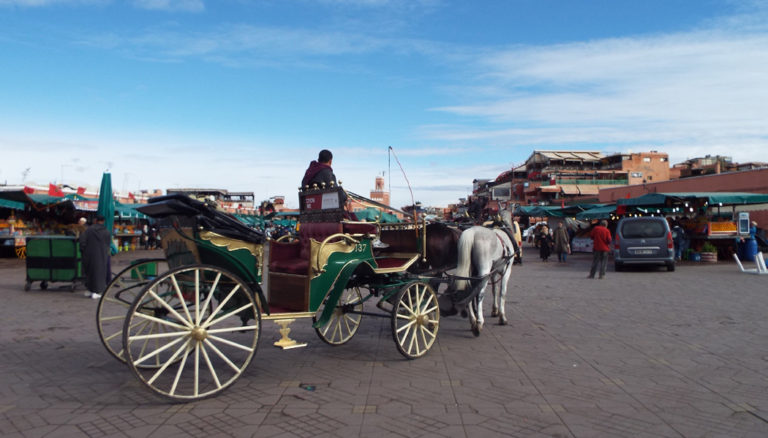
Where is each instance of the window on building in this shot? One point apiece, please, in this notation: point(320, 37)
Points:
point(664, 159)
point(637, 174)
point(647, 159)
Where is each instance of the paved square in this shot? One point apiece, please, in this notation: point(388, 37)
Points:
point(639, 354)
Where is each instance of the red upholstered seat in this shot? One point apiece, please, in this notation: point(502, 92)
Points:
point(390, 262)
point(293, 257)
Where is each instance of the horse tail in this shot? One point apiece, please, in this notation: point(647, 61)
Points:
point(464, 264)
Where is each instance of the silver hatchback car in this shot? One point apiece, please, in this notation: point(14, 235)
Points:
point(643, 240)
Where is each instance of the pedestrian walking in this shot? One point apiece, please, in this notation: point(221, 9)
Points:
point(601, 244)
point(562, 243)
point(94, 247)
point(544, 240)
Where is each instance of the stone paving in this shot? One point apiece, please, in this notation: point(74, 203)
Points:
point(646, 353)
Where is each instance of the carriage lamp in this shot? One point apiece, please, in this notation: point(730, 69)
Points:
point(322, 185)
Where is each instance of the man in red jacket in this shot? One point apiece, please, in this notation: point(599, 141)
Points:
point(601, 244)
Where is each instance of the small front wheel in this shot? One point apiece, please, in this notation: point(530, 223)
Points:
point(43, 285)
point(415, 319)
point(345, 319)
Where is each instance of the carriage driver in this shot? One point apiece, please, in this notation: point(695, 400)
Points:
point(320, 172)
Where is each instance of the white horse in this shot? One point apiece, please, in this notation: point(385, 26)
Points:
point(488, 254)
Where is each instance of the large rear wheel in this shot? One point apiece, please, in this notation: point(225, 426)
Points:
point(117, 299)
point(415, 319)
point(206, 338)
point(343, 324)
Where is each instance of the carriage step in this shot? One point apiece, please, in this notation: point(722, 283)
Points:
point(285, 342)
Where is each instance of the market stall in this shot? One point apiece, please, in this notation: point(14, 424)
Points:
point(708, 219)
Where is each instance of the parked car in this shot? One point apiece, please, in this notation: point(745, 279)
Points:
point(643, 240)
point(531, 231)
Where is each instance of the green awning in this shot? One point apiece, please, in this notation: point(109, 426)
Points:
point(371, 214)
point(603, 212)
point(129, 211)
point(713, 198)
point(14, 205)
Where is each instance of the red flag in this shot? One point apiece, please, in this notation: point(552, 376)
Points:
point(54, 190)
point(131, 196)
point(29, 190)
point(81, 190)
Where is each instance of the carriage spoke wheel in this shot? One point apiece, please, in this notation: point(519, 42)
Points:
point(117, 299)
point(415, 319)
point(206, 338)
point(342, 325)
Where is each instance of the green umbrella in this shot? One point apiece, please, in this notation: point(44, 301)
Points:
point(106, 206)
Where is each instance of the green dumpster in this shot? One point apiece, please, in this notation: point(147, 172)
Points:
point(53, 259)
point(146, 270)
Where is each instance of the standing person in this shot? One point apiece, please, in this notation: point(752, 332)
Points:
point(678, 236)
point(145, 236)
point(562, 243)
point(601, 244)
point(545, 244)
point(94, 246)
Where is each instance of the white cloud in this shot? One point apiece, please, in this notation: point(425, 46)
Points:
point(702, 90)
point(171, 5)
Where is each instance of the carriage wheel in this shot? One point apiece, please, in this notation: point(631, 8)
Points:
point(117, 299)
point(342, 325)
point(415, 319)
point(205, 339)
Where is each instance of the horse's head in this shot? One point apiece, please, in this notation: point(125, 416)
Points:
point(506, 218)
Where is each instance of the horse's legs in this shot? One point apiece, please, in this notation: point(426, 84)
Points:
point(495, 308)
point(471, 306)
point(503, 295)
point(477, 326)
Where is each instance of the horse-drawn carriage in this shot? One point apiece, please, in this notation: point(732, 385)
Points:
point(191, 329)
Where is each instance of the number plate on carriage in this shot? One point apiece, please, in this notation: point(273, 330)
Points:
point(644, 251)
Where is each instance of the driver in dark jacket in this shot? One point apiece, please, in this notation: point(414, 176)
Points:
point(320, 172)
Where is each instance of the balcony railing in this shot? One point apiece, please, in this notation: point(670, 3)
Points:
point(587, 182)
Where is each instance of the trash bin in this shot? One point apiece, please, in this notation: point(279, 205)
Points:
point(748, 250)
point(146, 270)
point(53, 259)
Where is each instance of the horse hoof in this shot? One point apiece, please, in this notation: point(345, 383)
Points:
point(494, 312)
point(476, 330)
point(502, 321)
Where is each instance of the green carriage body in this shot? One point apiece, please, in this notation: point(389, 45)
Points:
point(331, 253)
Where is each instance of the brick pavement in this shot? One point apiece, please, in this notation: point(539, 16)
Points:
point(639, 354)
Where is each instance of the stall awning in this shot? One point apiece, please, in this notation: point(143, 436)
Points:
point(13, 205)
point(550, 189)
point(570, 189)
point(588, 189)
point(603, 212)
point(713, 198)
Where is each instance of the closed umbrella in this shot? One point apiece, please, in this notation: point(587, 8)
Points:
point(106, 206)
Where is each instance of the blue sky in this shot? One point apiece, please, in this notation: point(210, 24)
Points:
point(242, 94)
